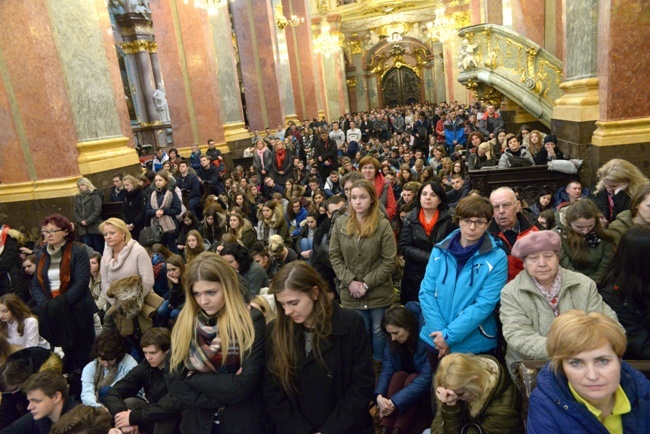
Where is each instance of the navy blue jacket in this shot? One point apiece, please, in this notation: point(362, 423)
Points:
point(191, 184)
point(394, 362)
point(553, 409)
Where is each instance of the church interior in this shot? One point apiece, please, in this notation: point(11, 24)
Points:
point(91, 87)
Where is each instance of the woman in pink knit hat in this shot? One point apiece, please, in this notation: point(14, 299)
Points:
point(543, 290)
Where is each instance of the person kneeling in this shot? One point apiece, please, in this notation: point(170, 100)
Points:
point(477, 395)
point(161, 414)
point(404, 382)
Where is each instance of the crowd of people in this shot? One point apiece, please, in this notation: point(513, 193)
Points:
point(348, 281)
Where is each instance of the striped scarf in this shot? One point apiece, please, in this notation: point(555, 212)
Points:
point(206, 354)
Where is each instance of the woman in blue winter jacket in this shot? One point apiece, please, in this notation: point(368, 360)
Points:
point(586, 387)
point(403, 387)
point(462, 286)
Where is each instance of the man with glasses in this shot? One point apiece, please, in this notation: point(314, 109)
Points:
point(510, 225)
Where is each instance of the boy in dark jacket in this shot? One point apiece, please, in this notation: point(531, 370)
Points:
point(161, 414)
point(47, 393)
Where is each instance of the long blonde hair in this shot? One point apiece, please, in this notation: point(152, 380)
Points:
point(621, 172)
point(463, 371)
point(368, 225)
point(234, 321)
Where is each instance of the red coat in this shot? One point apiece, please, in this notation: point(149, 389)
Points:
point(515, 265)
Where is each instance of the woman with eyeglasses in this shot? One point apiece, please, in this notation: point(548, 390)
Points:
point(64, 305)
point(462, 285)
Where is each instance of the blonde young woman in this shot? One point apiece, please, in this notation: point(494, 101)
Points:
point(88, 214)
point(217, 355)
point(363, 251)
point(618, 182)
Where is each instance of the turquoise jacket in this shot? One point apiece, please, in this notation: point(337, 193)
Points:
point(461, 303)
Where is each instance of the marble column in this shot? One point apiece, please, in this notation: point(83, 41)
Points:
point(428, 82)
point(334, 77)
point(257, 43)
point(528, 19)
point(301, 60)
point(62, 109)
point(361, 87)
point(373, 94)
point(223, 44)
point(189, 65)
point(439, 73)
point(575, 113)
point(623, 126)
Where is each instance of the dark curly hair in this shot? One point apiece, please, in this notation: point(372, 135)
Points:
point(109, 346)
point(241, 255)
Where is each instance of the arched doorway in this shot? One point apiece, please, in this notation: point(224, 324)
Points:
point(400, 86)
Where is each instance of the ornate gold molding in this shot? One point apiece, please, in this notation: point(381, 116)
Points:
point(105, 154)
point(41, 189)
point(387, 8)
point(355, 47)
point(580, 101)
point(623, 132)
point(485, 93)
point(234, 131)
point(351, 82)
point(139, 45)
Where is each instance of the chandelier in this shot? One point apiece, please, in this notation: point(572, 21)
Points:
point(212, 6)
point(282, 22)
point(441, 27)
point(327, 42)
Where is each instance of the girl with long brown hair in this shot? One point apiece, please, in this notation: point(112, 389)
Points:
point(586, 247)
point(18, 325)
point(193, 245)
point(363, 251)
point(319, 376)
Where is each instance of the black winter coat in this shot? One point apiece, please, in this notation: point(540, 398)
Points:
point(237, 398)
point(133, 211)
point(9, 266)
point(632, 318)
point(416, 249)
point(67, 320)
point(161, 404)
point(334, 396)
point(622, 202)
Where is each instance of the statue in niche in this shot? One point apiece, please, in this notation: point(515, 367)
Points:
point(117, 7)
point(467, 55)
point(139, 7)
point(160, 99)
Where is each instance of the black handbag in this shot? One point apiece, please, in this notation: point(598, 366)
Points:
point(151, 235)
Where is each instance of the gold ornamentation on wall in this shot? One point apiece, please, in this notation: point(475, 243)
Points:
point(355, 47)
point(387, 8)
point(524, 67)
point(484, 93)
point(351, 82)
point(139, 45)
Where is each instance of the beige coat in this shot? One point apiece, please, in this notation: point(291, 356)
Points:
point(527, 316)
point(370, 260)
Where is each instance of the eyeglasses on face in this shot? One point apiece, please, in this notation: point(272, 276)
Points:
point(50, 232)
point(479, 224)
